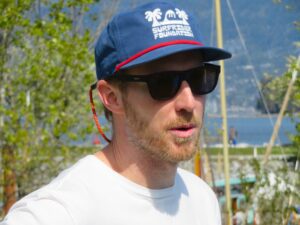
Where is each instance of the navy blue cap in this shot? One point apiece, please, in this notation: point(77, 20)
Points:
point(147, 33)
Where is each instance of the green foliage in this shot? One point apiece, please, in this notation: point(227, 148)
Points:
point(45, 72)
point(274, 189)
point(248, 151)
point(274, 90)
point(296, 138)
point(292, 65)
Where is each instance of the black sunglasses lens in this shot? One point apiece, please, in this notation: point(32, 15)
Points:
point(164, 86)
point(203, 80)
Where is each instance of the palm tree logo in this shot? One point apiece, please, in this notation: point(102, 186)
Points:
point(154, 16)
point(174, 23)
point(182, 15)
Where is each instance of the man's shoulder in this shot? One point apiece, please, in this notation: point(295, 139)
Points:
point(69, 181)
point(66, 197)
point(73, 181)
point(76, 173)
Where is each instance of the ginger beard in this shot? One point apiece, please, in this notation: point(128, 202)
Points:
point(160, 144)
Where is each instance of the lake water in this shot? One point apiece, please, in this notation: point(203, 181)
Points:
point(254, 130)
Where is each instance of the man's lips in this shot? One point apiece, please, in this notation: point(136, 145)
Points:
point(183, 131)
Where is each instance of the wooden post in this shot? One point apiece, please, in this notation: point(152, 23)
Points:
point(197, 163)
point(209, 178)
point(281, 114)
point(224, 115)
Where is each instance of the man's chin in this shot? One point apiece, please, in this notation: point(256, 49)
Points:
point(181, 152)
point(180, 158)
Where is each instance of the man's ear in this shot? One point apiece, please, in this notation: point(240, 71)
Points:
point(110, 96)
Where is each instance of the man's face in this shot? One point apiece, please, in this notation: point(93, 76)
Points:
point(167, 130)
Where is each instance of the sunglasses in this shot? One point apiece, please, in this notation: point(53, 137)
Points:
point(164, 85)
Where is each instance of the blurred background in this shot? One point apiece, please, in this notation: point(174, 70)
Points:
point(47, 66)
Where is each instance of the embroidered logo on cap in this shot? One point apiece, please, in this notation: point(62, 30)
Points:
point(173, 24)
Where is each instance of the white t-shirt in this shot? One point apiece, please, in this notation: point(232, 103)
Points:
point(91, 193)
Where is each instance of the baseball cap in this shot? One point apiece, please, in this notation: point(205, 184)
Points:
point(149, 32)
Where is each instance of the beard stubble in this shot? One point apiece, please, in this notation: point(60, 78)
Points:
point(159, 144)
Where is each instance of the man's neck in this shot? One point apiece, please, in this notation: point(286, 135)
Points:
point(138, 166)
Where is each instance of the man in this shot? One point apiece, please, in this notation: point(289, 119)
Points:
point(152, 80)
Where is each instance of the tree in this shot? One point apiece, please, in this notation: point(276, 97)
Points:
point(275, 186)
point(153, 16)
point(45, 72)
point(182, 15)
point(274, 89)
point(275, 199)
point(296, 138)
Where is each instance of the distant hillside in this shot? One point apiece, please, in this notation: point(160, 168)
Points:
point(269, 34)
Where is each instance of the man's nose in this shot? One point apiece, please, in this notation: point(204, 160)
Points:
point(184, 99)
